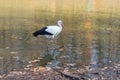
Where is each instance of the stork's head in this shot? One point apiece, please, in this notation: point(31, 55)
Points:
point(60, 23)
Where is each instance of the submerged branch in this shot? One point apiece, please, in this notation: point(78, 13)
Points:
point(71, 77)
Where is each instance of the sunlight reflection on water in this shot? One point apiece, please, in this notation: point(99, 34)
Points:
point(85, 40)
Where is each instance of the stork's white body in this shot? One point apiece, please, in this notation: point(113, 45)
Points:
point(50, 31)
point(55, 30)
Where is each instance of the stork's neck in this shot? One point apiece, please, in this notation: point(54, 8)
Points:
point(60, 25)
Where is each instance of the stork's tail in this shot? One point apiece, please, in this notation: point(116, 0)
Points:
point(36, 33)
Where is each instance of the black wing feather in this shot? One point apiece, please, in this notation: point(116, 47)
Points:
point(41, 32)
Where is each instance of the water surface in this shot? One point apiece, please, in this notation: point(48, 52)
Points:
point(88, 38)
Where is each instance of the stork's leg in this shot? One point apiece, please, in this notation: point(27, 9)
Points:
point(47, 45)
point(55, 40)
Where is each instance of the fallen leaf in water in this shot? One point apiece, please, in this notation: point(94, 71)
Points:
point(7, 47)
point(34, 61)
point(37, 69)
point(49, 63)
point(30, 65)
point(80, 53)
point(1, 76)
point(71, 64)
point(64, 57)
point(20, 38)
point(81, 71)
point(61, 49)
point(48, 68)
point(13, 52)
point(66, 70)
point(1, 57)
point(26, 68)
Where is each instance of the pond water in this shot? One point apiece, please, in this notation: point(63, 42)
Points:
point(87, 39)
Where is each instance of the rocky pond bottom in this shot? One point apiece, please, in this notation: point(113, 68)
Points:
point(30, 72)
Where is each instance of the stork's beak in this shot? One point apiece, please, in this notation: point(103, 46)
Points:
point(62, 25)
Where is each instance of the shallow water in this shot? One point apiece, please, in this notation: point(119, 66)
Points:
point(88, 38)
